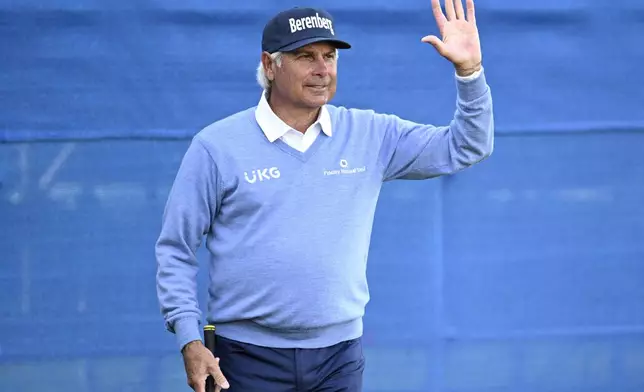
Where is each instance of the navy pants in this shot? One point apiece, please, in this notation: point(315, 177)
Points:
point(250, 368)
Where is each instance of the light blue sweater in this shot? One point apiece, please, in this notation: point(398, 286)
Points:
point(288, 232)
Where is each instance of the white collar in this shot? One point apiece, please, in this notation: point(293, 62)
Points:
point(274, 127)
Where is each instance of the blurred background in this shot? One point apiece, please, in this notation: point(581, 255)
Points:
point(524, 273)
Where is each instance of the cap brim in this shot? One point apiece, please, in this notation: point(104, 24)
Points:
point(335, 42)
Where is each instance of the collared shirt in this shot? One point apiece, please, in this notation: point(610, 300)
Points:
point(274, 128)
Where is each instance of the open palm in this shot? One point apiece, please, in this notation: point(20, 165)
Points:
point(460, 42)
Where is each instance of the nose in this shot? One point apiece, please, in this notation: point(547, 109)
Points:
point(320, 66)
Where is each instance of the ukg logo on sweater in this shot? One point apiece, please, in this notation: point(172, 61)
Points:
point(262, 175)
point(345, 169)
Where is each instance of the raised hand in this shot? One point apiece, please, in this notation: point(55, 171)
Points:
point(460, 42)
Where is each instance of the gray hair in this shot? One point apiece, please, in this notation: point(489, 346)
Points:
point(262, 80)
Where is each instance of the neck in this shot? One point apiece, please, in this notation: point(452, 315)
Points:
point(297, 117)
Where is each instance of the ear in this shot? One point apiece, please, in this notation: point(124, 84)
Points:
point(268, 66)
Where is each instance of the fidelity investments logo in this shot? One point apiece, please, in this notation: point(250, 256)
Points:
point(345, 169)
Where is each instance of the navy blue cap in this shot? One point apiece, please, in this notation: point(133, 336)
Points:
point(296, 27)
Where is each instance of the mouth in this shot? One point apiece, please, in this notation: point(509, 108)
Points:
point(319, 87)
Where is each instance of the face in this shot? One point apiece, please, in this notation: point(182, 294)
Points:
point(307, 77)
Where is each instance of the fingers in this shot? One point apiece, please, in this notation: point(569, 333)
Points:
point(197, 385)
point(220, 379)
point(454, 10)
point(436, 43)
point(460, 14)
point(438, 14)
point(197, 380)
point(471, 17)
point(449, 9)
point(438, 11)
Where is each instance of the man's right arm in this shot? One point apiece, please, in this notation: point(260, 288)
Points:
point(192, 203)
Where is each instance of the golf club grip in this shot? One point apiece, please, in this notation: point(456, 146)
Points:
point(209, 341)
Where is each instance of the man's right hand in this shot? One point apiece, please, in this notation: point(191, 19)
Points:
point(200, 363)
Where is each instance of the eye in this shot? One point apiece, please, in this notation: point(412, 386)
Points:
point(329, 59)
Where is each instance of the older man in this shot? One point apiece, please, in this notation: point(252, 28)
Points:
point(285, 194)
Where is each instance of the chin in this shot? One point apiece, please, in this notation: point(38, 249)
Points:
point(317, 99)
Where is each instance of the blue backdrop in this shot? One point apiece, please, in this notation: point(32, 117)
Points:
point(524, 273)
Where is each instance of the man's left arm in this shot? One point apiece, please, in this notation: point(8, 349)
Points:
point(415, 151)
point(418, 151)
